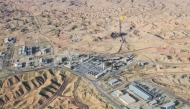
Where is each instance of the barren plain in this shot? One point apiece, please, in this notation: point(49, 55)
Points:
point(152, 28)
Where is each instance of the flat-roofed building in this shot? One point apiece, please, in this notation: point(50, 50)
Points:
point(6, 40)
point(9, 40)
point(60, 59)
point(113, 81)
point(140, 91)
point(16, 64)
point(43, 50)
point(170, 105)
point(153, 102)
point(42, 61)
point(98, 75)
point(24, 50)
point(127, 99)
point(117, 93)
point(2, 54)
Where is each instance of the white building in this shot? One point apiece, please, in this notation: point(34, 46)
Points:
point(113, 81)
point(9, 40)
point(98, 75)
point(169, 105)
point(2, 53)
point(28, 64)
point(6, 40)
point(118, 93)
point(81, 60)
point(43, 50)
point(16, 64)
point(60, 59)
point(126, 99)
point(42, 61)
point(153, 102)
point(19, 65)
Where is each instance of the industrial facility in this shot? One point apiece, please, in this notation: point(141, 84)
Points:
point(127, 99)
point(140, 91)
point(113, 81)
point(117, 93)
point(26, 50)
point(9, 40)
point(170, 105)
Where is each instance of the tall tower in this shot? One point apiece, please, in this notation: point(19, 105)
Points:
point(81, 60)
point(102, 66)
point(70, 60)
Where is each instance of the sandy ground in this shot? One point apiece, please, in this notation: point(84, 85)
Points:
point(80, 94)
point(19, 90)
point(34, 89)
point(178, 84)
point(85, 26)
point(155, 30)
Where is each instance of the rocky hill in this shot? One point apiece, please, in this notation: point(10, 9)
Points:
point(49, 88)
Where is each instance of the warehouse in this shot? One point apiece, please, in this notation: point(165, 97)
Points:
point(126, 99)
point(117, 93)
point(42, 61)
point(140, 91)
point(98, 75)
point(169, 105)
point(24, 50)
point(60, 59)
point(113, 81)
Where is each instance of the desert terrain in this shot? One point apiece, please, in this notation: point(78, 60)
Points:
point(154, 30)
point(178, 84)
point(38, 89)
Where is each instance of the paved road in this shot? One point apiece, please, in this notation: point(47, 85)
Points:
point(92, 81)
point(170, 64)
point(106, 96)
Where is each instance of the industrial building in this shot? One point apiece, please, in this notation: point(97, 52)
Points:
point(16, 64)
point(153, 102)
point(60, 59)
point(117, 93)
point(170, 105)
point(140, 91)
point(9, 40)
point(127, 99)
point(113, 81)
point(45, 50)
point(24, 51)
point(19, 65)
point(34, 49)
point(112, 58)
point(98, 75)
point(2, 53)
point(42, 61)
point(29, 64)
